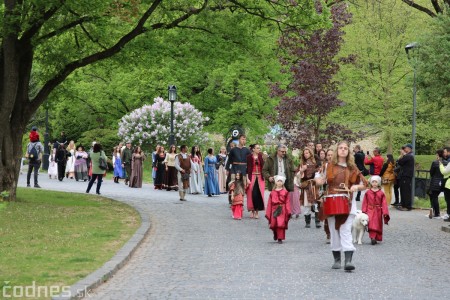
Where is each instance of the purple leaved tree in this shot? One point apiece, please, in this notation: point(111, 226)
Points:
point(312, 93)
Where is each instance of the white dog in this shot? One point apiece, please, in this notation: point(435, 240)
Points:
point(359, 226)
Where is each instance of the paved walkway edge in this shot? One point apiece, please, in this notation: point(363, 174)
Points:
point(83, 287)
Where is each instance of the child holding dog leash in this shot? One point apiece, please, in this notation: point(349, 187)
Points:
point(375, 206)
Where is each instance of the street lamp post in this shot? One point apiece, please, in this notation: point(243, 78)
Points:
point(408, 48)
point(172, 90)
point(45, 161)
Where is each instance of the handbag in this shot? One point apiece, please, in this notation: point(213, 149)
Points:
point(102, 163)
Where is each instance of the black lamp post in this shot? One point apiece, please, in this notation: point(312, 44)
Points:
point(409, 48)
point(172, 98)
point(45, 161)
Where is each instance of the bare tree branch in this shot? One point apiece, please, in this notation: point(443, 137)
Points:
point(196, 28)
point(30, 33)
point(64, 28)
point(420, 7)
point(95, 41)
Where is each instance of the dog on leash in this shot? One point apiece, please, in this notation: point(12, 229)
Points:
point(359, 226)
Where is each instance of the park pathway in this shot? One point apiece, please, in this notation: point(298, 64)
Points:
point(195, 250)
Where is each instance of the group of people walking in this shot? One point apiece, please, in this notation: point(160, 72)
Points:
point(321, 177)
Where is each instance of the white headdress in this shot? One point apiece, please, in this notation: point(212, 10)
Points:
point(279, 177)
point(377, 178)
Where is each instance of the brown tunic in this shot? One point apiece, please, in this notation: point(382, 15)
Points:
point(308, 186)
point(336, 175)
point(185, 164)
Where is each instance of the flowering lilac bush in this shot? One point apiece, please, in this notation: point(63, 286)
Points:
point(150, 124)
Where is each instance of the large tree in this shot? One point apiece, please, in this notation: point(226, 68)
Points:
point(48, 40)
point(311, 60)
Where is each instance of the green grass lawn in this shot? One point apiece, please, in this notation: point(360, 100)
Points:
point(423, 162)
point(425, 203)
point(56, 238)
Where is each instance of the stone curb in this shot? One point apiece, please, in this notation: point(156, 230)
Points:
point(83, 287)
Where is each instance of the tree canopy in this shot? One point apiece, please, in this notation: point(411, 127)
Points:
point(44, 42)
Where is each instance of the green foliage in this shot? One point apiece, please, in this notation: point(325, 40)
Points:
point(378, 90)
point(433, 74)
point(106, 137)
point(4, 195)
point(423, 162)
point(222, 70)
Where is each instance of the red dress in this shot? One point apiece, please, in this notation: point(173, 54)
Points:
point(278, 224)
point(375, 206)
point(237, 204)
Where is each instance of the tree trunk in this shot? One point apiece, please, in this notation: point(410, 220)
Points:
point(11, 155)
point(15, 65)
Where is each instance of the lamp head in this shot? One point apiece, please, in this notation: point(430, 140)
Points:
point(410, 47)
point(172, 93)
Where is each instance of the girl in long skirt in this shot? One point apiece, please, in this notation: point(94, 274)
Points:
point(237, 191)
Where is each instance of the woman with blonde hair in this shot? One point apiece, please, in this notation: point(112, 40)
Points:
point(70, 166)
point(342, 174)
point(308, 190)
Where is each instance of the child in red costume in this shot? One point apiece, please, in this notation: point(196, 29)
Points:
point(375, 206)
point(237, 191)
point(278, 210)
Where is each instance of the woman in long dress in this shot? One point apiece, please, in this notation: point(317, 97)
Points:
point(117, 163)
point(255, 191)
point(160, 169)
point(52, 166)
point(171, 179)
point(154, 162)
point(137, 162)
point(70, 166)
point(221, 171)
point(211, 184)
point(195, 180)
point(202, 167)
point(81, 170)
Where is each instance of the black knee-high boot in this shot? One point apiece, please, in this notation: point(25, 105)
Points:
point(337, 260)
point(308, 221)
point(348, 261)
point(316, 219)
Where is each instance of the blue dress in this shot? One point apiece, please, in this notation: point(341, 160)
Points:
point(118, 171)
point(211, 181)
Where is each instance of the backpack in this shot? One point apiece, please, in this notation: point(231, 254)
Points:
point(33, 155)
